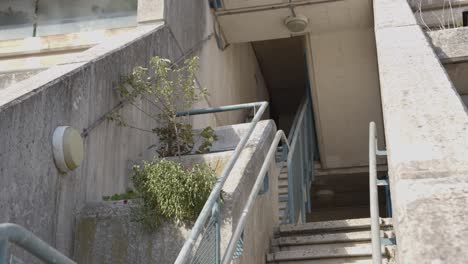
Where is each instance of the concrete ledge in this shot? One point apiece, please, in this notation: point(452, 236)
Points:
point(426, 126)
point(450, 45)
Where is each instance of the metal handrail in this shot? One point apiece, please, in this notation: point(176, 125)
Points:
point(253, 195)
point(20, 236)
point(302, 124)
point(374, 195)
point(184, 253)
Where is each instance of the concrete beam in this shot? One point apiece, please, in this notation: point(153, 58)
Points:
point(426, 134)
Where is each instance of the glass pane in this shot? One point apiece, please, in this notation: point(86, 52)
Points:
point(16, 19)
point(67, 16)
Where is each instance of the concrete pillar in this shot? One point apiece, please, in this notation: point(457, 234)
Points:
point(426, 130)
point(150, 11)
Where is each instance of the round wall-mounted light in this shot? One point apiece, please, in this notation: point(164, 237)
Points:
point(297, 23)
point(68, 148)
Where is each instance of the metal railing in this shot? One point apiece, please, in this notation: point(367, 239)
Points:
point(208, 213)
point(20, 236)
point(234, 241)
point(299, 147)
point(300, 163)
point(374, 194)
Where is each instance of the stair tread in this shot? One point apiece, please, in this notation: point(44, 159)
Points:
point(353, 260)
point(326, 226)
point(322, 238)
point(364, 250)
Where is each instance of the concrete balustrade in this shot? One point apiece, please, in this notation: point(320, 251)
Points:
point(426, 133)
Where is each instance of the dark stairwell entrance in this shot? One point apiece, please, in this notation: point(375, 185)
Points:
point(340, 194)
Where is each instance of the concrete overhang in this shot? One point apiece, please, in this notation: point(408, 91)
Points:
point(245, 21)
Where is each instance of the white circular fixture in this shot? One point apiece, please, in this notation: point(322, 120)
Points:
point(297, 23)
point(68, 148)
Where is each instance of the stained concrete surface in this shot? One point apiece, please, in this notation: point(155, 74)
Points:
point(33, 193)
point(425, 128)
point(106, 233)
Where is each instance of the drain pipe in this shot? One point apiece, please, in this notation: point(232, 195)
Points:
point(374, 197)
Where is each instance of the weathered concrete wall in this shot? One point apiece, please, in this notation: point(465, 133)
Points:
point(345, 90)
point(426, 128)
point(79, 93)
point(191, 23)
point(439, 14)
point(8, 79)
point(106, 233)
point(451, 46)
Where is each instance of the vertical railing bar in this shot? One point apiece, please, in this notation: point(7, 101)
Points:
point(303, 170)
point(374, 196)
point(216, 211)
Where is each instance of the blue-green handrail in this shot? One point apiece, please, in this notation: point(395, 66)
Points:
point(300, 163)
point(185, 253)
point(20, 236)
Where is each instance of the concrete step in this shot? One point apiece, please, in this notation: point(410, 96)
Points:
point(282, 204)
point(320, 247)
point(282, 183)
point(330, 226)
point(322, 252)
point(354, 260)
point(283, 174)
point(358, 236)
point(282, 191)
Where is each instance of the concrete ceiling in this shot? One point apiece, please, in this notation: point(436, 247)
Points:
point(254, 20)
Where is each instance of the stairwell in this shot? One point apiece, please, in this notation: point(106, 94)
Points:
point(337, 242)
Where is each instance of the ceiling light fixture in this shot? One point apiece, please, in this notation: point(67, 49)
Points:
point(296, 23)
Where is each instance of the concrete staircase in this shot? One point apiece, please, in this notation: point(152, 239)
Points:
point(337, 242)
point(282, 192)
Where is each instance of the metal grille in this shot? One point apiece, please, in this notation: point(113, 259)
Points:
point(15, 260)
point(300, 163)
point(239, 248)
point(207, 251)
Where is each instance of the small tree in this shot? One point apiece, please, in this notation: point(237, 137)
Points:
point(166, 188)
point(169, 89)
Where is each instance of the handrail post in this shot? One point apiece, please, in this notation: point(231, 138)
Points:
point(374, 197)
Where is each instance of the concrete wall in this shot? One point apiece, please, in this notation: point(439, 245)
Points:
point(439, 14)
point(80, 92)
point(345, 92)
point(451, 46)
point(426, 128)
point(106, 232)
